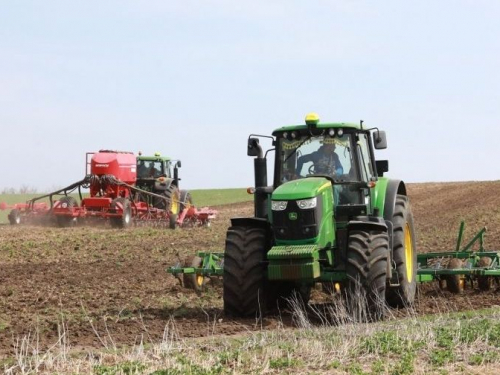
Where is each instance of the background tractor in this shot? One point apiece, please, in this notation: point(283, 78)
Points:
point(123, 190)
point(159, 175)
point(330, 219)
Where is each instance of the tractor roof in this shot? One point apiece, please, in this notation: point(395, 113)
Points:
point(153, 158)
point(323, 125)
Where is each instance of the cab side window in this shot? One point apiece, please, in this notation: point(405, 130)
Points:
point(364, 154)
point(167, 169)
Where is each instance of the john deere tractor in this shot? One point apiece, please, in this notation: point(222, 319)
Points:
point(159, 174)
point(330, 219)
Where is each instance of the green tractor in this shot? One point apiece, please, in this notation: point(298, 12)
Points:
point(330, 217)
point(160, 175)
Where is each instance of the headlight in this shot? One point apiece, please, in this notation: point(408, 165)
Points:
point(278, 205)
point(307, 203)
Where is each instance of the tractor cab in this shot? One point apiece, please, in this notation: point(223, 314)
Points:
point(153, 167)
point(341, 153)
point(159, 175)
point(334, 157)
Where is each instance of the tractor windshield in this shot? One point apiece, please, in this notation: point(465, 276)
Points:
point(316, 155)
point(149, 169)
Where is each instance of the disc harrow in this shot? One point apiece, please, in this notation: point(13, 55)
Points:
point(467, 265)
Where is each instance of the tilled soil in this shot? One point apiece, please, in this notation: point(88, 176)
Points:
point(97, 287)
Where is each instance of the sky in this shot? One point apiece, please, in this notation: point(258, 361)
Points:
point(192, 79)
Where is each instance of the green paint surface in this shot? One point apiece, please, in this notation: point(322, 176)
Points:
point(319, 126)
point(378, 194)
point(300, 189)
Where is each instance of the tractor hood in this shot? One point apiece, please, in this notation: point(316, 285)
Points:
point(301, 189)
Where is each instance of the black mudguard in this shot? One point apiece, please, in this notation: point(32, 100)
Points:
point(394, 187)
point(255, 222)
point(250, 222)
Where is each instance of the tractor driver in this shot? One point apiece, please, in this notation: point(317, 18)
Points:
point(325, 161)
point(156, 169)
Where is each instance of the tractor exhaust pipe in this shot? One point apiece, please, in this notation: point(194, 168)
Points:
point(176, 173)
point(260, 175)
point(260, 201)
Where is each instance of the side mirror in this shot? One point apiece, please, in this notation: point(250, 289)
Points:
point(379, 140)
point(178, 164)
point(254, 148)
point(382, 166)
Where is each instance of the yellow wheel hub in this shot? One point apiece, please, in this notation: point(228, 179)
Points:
point(409, 253)
point(175, 205)
point(337, 287)
point(199, 280)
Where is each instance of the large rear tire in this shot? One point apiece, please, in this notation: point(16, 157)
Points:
point(367, 254)
point(404, 255)
point(245, 292)
point(172, 205)
point(125, 220)
point(173, 196)
point(68, 203)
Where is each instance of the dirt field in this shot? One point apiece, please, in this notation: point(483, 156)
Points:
point(106, 287)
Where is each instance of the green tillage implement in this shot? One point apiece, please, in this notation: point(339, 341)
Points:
point(453, 268)
point(481, 264)
point(206, 264)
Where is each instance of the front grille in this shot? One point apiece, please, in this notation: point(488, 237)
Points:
point(305, 225)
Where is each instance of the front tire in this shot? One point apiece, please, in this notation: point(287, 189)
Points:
point(404, 255)
point(367, 254)
point(245, 292)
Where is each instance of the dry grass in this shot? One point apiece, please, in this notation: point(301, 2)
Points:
point(328, 339)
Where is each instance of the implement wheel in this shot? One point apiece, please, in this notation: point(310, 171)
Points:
point(404, 255)
point(367, 254)
point(484, 282)
point(245, 289)
point(15, 217)
point(455, 283)
point(126, 219)
point(69, 203)
point(192, 280)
